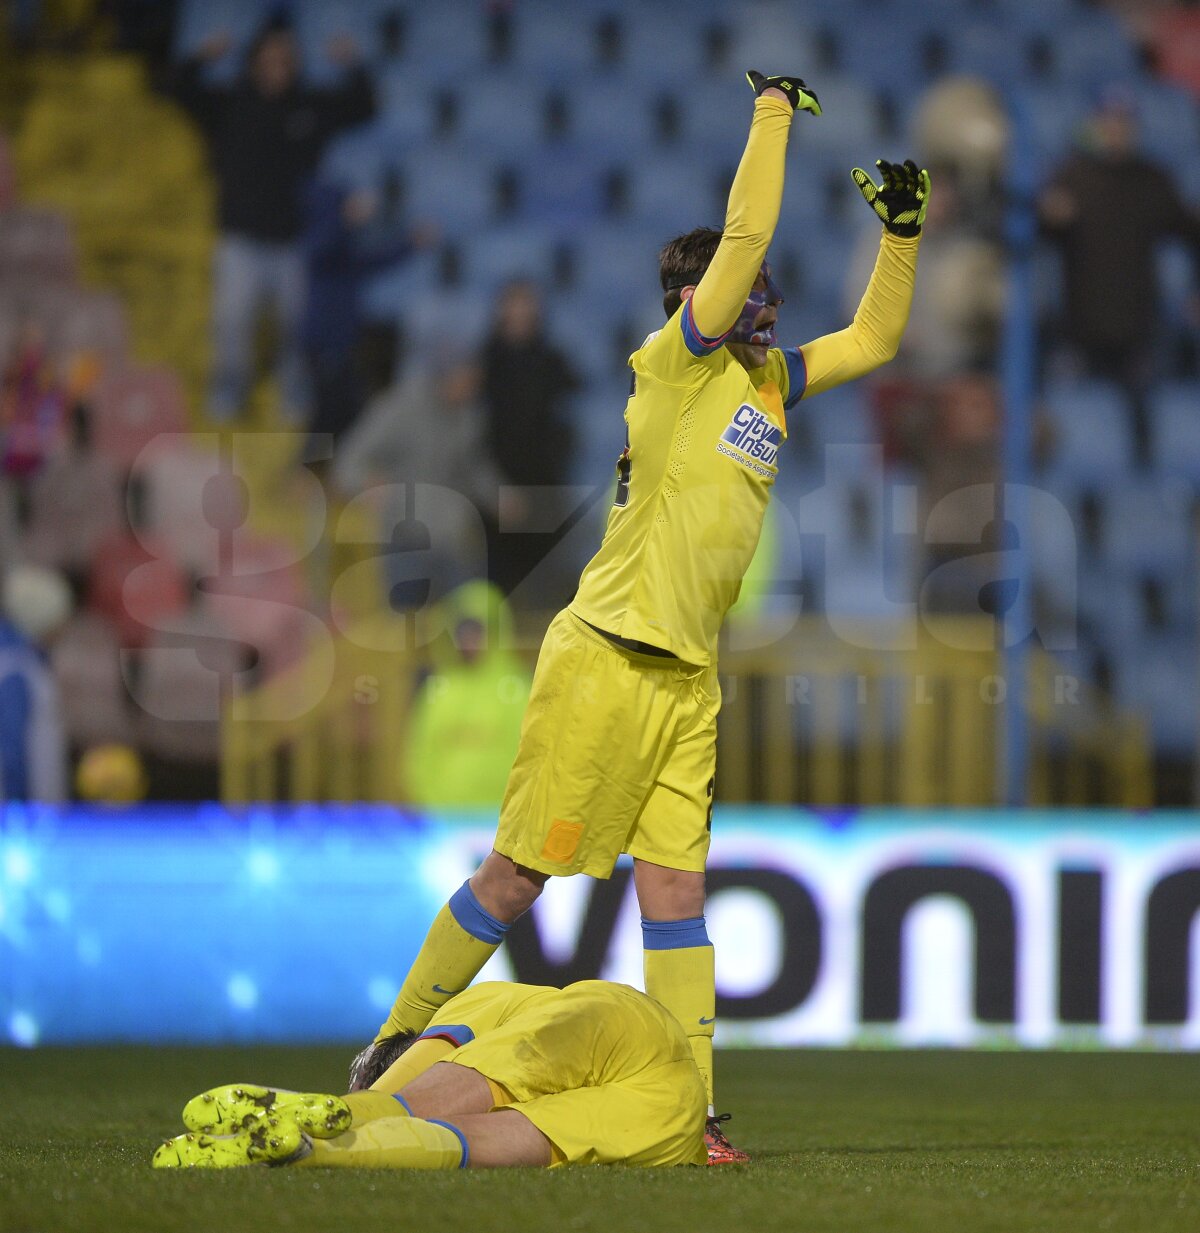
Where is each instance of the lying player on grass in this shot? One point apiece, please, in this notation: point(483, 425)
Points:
point(506, 1074)
point(618, 744)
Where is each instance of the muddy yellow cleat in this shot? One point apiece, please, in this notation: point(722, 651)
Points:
point(241, 1106)
point(271, 1141)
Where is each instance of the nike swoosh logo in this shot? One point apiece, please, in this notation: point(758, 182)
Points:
point(455, 992)
point(707, 1021)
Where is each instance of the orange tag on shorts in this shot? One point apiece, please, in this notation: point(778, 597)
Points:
point(562, 841)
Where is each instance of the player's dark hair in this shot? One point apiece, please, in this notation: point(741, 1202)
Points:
point(683, 261)
point(371, 1063)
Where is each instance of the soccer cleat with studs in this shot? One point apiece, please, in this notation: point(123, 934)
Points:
point(236, 1107)
point(271, 1141)
point(720, 1150)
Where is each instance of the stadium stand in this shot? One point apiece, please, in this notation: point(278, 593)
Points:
point(573, 154)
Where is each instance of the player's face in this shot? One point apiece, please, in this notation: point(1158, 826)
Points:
point(755, 328)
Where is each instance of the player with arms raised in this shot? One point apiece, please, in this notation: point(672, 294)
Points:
point(618, 745)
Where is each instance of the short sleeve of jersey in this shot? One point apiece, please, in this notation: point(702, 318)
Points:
point(785, 366)
point(479, 1009)
point(678, 350)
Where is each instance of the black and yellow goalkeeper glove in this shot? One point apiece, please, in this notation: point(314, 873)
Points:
point(901, 201)
point(799, 95)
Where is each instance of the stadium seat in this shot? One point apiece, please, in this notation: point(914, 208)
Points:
point(320, 21)
point(179, 677)
point(1093, 51)
point(263, 602)
point(561, 184)
point(1149, 528)
point(988, 49)
point(437, 50)
point(553, 43)
point(612, 115)
point(136, 585)
point(1176, 430)
point(74, 502)
point(407, 107)
point(884, 50)
point(501, 112)
point(1092, 431)
point(91, 323)
point(502, 254)
point(673, 193)
point(1110, 609)
point(1148, 676)
point(448, 183)
point(199, 20)
point(135, 405)
point(87, 667)
point(36, 245)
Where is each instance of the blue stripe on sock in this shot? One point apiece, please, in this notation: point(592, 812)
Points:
point(397, 1096)
point(474, 917)
point(674, 934)
point(466, 1156)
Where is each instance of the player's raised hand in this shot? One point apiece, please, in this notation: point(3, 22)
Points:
point(901, 200)
point(798, 94)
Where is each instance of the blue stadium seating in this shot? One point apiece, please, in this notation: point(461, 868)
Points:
point(1091, 424)
point(664, 116)
point(1148, 680)
point(1176, 418)
point(1148, 527)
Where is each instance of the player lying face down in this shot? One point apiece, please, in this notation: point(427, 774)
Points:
point(505, 1075)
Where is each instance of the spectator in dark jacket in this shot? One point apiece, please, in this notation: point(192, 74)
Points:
point(265, 134)
point(527, 385)
point(342, 247)
point(1108, 208)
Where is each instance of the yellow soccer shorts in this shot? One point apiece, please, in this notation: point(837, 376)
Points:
point(617, 754)
point(604, 1072)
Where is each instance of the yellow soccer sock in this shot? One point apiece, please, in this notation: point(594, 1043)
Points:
point(679, 972)
point(369, 1106)
point(462, 938)
point(391, 1143)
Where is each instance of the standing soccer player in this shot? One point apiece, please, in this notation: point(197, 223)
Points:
point(618, 744)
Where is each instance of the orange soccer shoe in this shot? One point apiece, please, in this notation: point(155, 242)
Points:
point(720, 1150)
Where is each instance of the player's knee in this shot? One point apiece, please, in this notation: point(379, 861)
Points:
point(669, 894)
point(507, 890)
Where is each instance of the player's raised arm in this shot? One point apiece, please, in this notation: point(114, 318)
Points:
point(873, 336)
point(753, 208)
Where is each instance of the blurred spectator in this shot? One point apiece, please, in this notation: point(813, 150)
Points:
point(1108, 208)
point(420, 446)
point(958, 302)
point(341, 248)
point(265, 135)
point(958, 456)
point(8, 177)
point(111, 775)
point(32, 406)
point(467, 715)
point(36, 605)
point(527, 384)
point(74, 502)
point(1172, 37)
point(135, 583)
point(961, 124)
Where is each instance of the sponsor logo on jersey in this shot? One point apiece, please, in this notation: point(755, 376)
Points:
point(751, 433)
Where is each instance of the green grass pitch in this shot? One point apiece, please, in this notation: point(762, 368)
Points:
point(923, 1142)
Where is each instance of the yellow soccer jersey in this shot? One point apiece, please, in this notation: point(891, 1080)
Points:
point(483, 1007)
point(704, 437)
point(703, 444)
